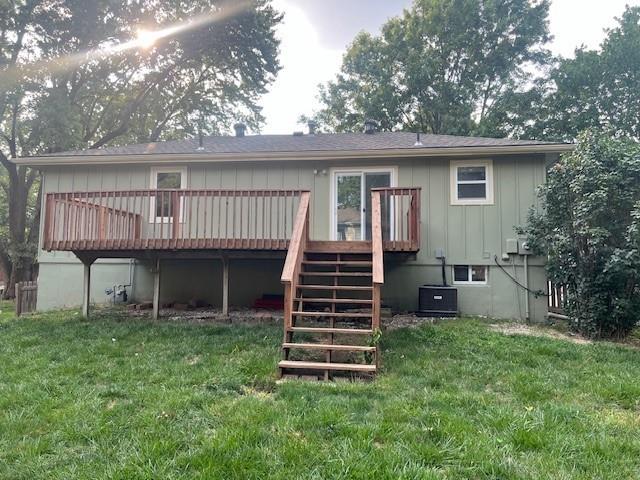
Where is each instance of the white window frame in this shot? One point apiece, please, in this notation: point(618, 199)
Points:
point(488, 165)
point(153, 185)
point(333, 194)
point(470, 275)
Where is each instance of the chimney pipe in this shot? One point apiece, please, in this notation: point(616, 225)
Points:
point(370, 126)
point(240, 129)
point(312, 127)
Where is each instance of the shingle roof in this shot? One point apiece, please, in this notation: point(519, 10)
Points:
point(302, 143)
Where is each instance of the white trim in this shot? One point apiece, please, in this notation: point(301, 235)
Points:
point(454, 165)
point(469, 275)
point(403, 153)
point(153, 185)
point(333, 193)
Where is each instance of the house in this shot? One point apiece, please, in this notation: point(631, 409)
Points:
point(341, 224)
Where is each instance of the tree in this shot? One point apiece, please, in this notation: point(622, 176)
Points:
point(439, 68)
point(595, 89)
point(72, 76)
point(590, 232)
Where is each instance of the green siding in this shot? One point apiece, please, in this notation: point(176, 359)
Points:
point(469, 234)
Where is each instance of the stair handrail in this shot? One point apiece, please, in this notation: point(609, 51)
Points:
point(295, 254)
point(377, 257)
point(376, 238)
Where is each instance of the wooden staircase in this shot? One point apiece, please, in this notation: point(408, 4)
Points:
point(333, 324)
point(332, 302)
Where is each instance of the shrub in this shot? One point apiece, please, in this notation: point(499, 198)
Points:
point(590, 230)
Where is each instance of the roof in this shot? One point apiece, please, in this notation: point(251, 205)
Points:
point(298, 146)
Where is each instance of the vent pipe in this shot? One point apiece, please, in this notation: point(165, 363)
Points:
point(370, 126)
point(200, 139)
point(240, 129)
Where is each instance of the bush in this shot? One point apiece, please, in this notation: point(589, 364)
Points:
point(590, 230)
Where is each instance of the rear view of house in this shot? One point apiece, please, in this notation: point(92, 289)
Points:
point(340, 224)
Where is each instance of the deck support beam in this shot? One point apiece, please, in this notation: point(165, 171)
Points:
point(225, 285)
point(87, 261)
point(156, 290)
point(86, 290)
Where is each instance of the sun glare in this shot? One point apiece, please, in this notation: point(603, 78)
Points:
point(146, 38)
point(143, 39)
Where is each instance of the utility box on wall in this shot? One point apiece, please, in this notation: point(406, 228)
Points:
point(437, 301)
point(511, 246)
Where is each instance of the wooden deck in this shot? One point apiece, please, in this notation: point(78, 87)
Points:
point(201, 220)
point(160, 224)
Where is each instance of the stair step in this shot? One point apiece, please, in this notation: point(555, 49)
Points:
point(347, 263)
point(333, 287)
point(334, 300)
point(331, 314)
point(354, 367)
point(323, 346)
point(336, 274)
point(356, 331)
point(339, 247)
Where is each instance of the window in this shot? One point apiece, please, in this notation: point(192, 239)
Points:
point(470, 274)
point(166, 179)
point(472, 182)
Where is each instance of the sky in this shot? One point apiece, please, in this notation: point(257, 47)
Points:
point(315, 33)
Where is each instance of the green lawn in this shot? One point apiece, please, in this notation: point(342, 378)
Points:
point(7, 310)
point(121, 399)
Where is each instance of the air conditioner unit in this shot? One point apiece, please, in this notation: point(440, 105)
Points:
point(437, 301)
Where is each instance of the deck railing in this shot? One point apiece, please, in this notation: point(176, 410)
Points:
point(170, 219)
point(400, 218)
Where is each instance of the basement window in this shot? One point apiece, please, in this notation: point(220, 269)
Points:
point(470, 274)
point(472, 182)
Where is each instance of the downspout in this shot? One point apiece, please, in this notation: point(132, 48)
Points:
point(526, 287)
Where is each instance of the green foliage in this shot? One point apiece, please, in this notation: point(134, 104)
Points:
point(66, 83)
point(590, 231)
point(439, 68)
point(209, 74)
point(129, 399)
point(595, 89)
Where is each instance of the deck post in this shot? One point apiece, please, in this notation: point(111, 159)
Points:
point(156, 290)
point(225, 285)
point(86, 286)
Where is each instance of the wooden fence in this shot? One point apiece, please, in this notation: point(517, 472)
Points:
point(557, 298)
point(26, 295)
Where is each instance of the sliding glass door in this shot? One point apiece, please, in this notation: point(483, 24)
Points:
point(352, 201)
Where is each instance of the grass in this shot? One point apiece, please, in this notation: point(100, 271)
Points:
point(128, 399)
point(7, 310)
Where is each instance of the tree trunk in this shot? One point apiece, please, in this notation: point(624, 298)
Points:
point(18, 194)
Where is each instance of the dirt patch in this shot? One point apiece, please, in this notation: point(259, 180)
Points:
point(193, 360)
point(537, 331)
point(406, 320)
point(212, 315)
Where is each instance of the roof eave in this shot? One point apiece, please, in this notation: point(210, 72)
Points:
point(198, 157)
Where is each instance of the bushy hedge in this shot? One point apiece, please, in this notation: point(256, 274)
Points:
point(590, 230)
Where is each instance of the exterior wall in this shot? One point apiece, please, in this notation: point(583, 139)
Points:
point(468, 234)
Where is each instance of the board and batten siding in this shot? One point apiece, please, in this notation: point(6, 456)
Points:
point(469, 234)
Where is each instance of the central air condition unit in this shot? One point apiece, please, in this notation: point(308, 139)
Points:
point(437, 301)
